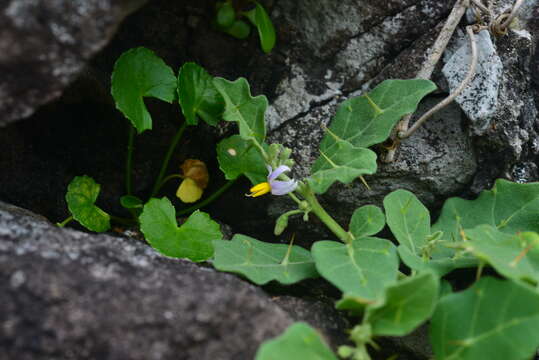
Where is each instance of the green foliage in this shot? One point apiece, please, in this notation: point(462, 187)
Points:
point(239, 157)
point(494, 319)
point(513, 256)
point(193, 240)
point(367, 120)
point(82, 192)
point(225, 14)
point(131, 202)
point(404, 306)
point(510, 207)
point(299, 341)
point(198, 96)
point(263, 262)
point(408, 219)
point(266, 32)
point(139, 73)
point(242, 108)
point(239, 29)
point(342, 162)
point(367, 220)
point(361, 122)
point(361, 269)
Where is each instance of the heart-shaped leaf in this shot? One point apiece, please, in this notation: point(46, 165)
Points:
point(193, 240)
point(342, 162)
point(239, 157)
point(242, 108)
point(82, 192)
point(361, 269)
point(266, 32)
point(263, 262)
point(405, 306)
point(198, 95)
point(513, 256)
point(509, 207)
point(368, 119)
point(367, 220)
point(299, 341)
point(494, 319)
point(139, 73)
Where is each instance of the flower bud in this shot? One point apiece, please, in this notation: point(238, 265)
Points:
point(280, 224)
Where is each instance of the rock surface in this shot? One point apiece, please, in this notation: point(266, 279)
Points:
point(67, 294)
point(44, 45)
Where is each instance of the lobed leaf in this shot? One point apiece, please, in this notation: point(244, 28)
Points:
point(266, 32)
point(405, 306)
point(513, 256)
point(82, 192)
point(193, 240)
point(367, 120)
point(198, 96)
point(342, 162)
point(367, 220)
point(509, 207)
point(299, 341)
point(263, 262)
point(242, 108)
point(494, 319)
point(139, 73)
point(239, 157)
point(361, 269)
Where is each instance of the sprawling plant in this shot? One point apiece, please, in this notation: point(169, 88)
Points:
point(391, 286)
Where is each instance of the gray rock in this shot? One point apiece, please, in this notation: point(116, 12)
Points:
point(45, 44)
point(71, 295)
point(479, 100)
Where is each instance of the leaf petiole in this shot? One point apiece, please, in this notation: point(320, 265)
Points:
point(65, 222)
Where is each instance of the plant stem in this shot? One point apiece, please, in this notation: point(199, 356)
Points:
point(65, 222)
point(166, 160)
point(209, 199)
point(170, 177)
point(129, 161)
point(332, 225)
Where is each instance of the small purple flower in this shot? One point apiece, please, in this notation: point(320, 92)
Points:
point(276, 187)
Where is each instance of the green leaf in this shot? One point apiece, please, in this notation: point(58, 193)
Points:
point(440, 266)
point(239, 29)
point(405, 306)
point(342, 162)
point(266, 32)
point(510, 207)
point(242, 108)
point(198, 96)
point(81, 195)
point(513, 256)
point(367, 220)
point(263, 262)
point(225, 15)
point(367, 120)
point(193, 240)
point(408, 219)
point(361, 269)
point(494, 319)
point(139, 73)
point(239, 157)
point(299, 341)
point(131, 202)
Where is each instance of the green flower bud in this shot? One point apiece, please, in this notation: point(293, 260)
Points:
point(281, 224)
point(345, 351)
point(273, 151)
point(285, 154)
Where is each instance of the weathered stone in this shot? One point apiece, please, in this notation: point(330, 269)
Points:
point(45, 44)
point(68, 294)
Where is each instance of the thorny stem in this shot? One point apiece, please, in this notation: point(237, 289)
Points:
point(209, 199)
point(316, 208)
point(469, 77)
point(428, 66)
point(129, 161)
point(166, 160)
